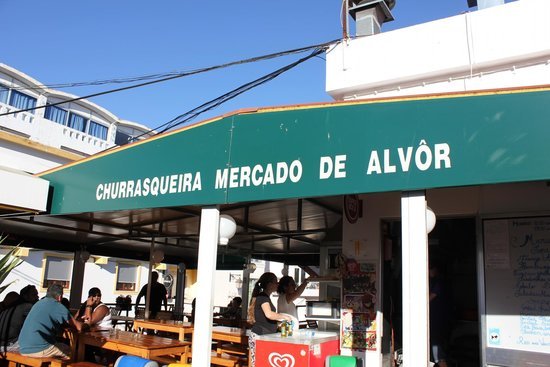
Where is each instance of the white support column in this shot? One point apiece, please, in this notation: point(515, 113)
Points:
point(415, 280)
point(208, 250)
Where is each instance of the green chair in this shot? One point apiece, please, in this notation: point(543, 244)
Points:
point(341, 361)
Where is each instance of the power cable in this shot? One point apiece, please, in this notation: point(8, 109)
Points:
point(160, 77)
point(193, 113)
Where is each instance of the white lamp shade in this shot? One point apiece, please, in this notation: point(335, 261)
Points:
point(158, 256)
point(251, 267)
point(430, 219)
point(227, 229)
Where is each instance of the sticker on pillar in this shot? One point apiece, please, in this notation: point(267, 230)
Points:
point(494, 336)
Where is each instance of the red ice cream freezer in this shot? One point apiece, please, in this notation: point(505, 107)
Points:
point(306, 348)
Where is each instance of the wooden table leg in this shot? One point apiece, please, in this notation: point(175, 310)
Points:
point(80, 351)
point(184, 357)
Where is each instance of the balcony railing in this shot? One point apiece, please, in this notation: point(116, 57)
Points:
point(39, 129)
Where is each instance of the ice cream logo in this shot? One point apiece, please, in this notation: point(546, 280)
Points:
point(281, 360)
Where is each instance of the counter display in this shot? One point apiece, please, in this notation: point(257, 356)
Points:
point(306, 348)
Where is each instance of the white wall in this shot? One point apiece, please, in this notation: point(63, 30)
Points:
point(102, 276)
point(499, 47)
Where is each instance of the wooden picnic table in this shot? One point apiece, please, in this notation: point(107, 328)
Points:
point(230, 334)
point(172, 326)
point(145, 346)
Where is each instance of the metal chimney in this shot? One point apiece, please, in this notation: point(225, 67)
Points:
point(369, 15)
point(483, 4)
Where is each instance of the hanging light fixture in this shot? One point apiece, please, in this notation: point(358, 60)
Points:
point(250, 267)
point(158, 256)
point(430, 219)
point(227, 229)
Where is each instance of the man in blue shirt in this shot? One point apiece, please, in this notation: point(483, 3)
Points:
point(44, 322)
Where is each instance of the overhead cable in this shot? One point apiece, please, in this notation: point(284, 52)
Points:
point(160, 77)
point(193, 113)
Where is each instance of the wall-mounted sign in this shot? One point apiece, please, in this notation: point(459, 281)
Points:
point(352, 208)
point(168, 281)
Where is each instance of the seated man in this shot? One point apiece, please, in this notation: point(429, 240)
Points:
point(44, 322)
point(233, 310)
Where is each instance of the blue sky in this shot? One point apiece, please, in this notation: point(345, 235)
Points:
point(71, 41)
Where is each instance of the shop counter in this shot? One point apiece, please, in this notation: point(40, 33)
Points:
point(306, 348)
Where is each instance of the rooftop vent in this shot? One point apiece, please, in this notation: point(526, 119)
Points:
point(482, 4)
point(369, 15)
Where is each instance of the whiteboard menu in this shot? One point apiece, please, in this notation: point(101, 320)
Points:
point(517, 290)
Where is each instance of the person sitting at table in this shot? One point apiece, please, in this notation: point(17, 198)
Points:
point(11, 299)
point(29, 293)
point(233, 310)
point(11, 319)
point(42, 325)
point(265, 317)
point(93, 312)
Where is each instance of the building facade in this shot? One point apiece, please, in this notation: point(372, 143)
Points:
point(497, 48)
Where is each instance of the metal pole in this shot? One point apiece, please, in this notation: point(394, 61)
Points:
point(151, 263)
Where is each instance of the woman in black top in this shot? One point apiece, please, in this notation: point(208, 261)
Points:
point(264, 311)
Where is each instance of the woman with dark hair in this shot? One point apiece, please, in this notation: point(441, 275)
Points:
point(93, 312)
point(288, 293)
point(265, 317)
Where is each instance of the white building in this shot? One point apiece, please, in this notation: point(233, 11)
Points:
point(58, 128)
point(50, 134)
point(494, 48)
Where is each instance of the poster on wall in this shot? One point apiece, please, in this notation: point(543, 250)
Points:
point(518, 286)
point(358, 324)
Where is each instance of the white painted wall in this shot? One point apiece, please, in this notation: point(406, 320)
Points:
point(499, 47)
point(29, 160)
point(102, 276)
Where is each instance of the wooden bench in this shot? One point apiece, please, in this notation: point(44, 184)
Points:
point(15, 358)
point(236, 349)
point(227, 360)
point(170, 359)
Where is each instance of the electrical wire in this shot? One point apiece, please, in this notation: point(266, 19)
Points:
point(170, 75)
point(207, 106)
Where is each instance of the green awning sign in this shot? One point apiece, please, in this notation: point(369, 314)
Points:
point(320, 150)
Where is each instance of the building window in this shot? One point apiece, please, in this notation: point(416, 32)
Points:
point(58, 271)
point(126, 279)
point(4, 94)
point(22, 101)
point(76, 122)
point(56, 114)
point(97, 130)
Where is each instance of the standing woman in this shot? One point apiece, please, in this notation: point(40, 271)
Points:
point(264, 311)
point(288, 293)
